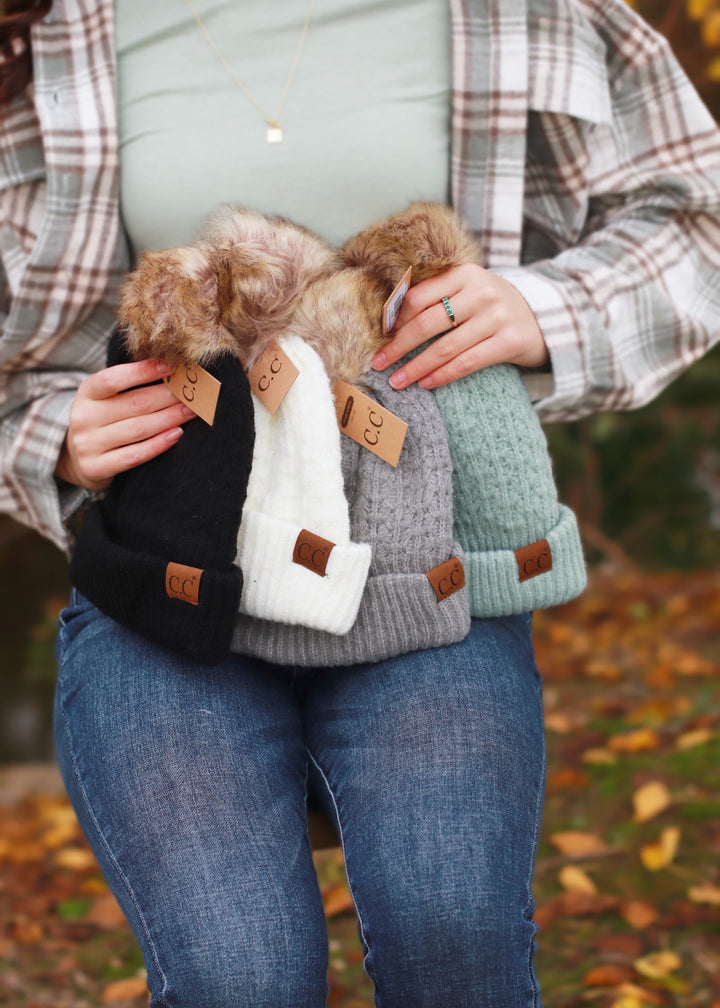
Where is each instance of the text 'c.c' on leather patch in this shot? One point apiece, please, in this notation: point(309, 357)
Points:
point(183, 583)
point(312, 552)
point(534, 559)
point(447, 578)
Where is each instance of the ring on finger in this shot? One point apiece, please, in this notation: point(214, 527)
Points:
point(450, 312)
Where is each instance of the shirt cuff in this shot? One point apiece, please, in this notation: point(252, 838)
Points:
point(42, 501)
point(557, 392)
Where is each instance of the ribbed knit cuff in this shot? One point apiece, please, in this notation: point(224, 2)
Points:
point(494, 580)
point(129, 586)
point(399, 613)
point(278, 589)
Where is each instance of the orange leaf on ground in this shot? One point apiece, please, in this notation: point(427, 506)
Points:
point(576, 880)
point(337, 899)
point(650, 800)
point(27, 932)
point(578, 844)
point(642, 995)
point(565, 777)
point(639, 914)
point(659, 855)
point(573, 904)
point(75, 858)
point(125, 990)
point(558, 722)
point(641, 740)
point(105, 913)
point(600, 668)
point(695, 737)
point(705, 893)
point(657, 965)
point(607, 975)
point(599, 757)
point(659, 709)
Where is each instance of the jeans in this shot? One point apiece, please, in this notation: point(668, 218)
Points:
point(190, 783)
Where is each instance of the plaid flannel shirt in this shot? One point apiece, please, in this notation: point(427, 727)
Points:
point(581, 156)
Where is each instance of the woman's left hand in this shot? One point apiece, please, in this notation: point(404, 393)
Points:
point(494, 324)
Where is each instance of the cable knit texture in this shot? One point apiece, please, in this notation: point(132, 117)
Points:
point(295, 484)
point(406, 513)
point(505, 497)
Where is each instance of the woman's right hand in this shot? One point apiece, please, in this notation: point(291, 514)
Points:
point(115, 426)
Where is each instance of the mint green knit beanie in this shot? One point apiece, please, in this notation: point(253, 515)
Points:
point(522, 547)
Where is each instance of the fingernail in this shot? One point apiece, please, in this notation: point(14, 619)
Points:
point(379, 361)
point(426, 383)
point(187, 412)
point(174, 435)
point(162, 367)
point(398, 380)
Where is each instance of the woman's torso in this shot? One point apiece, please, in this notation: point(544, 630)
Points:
point(365, 123)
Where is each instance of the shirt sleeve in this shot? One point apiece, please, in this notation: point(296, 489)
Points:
point(42, 366)
point(34, 413)
point(635, 299)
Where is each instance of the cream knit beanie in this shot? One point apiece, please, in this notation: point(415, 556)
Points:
point(294, 548)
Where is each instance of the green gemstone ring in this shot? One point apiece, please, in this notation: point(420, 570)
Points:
point(448, 309)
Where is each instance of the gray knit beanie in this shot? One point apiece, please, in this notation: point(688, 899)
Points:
point(522, 547)
point(405, 513)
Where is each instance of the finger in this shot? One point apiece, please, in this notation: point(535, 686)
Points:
point(435, 319)
point(139, 401)
point(428, 293)
point(129, 456)
point(91, 415)
point(447, 345)
point(440, 352)
point(135, 429)
point(475, 358)
point(121, 377)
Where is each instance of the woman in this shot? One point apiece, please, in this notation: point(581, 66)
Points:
point(589, 171)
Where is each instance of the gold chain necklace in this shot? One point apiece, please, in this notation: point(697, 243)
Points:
point(274, 130)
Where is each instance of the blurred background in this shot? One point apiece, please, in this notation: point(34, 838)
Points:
point(645, 484)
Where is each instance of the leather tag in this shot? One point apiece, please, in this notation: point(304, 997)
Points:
point(534, 559)
point(272, 377)
point(369, 424)
point(183, 582)
point(312, 552)
point(447, 578)
point(197, 388)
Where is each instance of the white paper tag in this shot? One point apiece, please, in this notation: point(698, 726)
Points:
point(391, 308)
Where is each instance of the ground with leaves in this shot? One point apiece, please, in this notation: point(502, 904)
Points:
point(628, 880)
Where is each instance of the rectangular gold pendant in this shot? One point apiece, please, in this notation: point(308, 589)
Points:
point(274, 134)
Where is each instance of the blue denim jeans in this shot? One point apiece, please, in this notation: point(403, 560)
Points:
point(190, 783)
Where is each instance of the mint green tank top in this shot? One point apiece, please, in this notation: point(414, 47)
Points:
point(365, 125)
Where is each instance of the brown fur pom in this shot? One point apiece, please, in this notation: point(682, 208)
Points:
point(169, 306)
point(251, 277)
point(233, 290)
point(266, 264)
point(430, 237)
point(340, 316)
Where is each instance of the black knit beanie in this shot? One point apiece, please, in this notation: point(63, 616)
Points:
point(156, 553)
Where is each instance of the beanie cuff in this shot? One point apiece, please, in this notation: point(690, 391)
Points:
point(130, 586)
point(494, 580)
point(399, 613)
point(283, 591)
